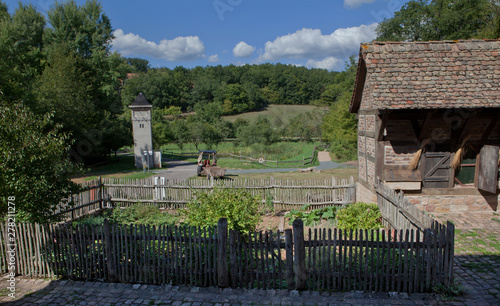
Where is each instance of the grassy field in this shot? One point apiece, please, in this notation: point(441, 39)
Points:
point(283, 112)
point(282, 151)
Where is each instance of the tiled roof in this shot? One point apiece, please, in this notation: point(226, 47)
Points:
point(428, 75)
point(140, 101)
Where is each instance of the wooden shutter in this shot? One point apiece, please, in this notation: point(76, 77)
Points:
point(487, 175)
point(436, 170)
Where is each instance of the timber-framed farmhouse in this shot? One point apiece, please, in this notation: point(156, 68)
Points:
point(428, 122)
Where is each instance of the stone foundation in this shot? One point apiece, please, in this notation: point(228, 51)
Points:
point(363, 194)
point(455, 203)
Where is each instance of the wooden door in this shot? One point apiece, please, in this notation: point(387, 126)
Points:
point(488, 169)
point(436, 170)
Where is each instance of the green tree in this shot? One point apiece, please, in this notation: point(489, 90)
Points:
point(140, 65)
point(21, 46)
point(259, 131)
point(35, 166)
point(180, 132)
point(339, 125)
point(441, 20)
point(340, 129)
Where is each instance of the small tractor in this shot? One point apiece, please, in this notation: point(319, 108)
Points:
point(207, 164)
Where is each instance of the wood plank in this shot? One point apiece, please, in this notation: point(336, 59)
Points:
point(487, 173)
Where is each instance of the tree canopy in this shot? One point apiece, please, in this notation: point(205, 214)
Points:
point(441, 20)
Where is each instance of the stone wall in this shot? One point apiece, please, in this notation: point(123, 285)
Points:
point(364, 194)
point(455, 203)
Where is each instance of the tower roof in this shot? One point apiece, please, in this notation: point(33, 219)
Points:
point(140, 101)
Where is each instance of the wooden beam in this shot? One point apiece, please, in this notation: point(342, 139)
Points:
point(381, 123)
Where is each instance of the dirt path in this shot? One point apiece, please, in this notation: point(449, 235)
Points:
point(324, 156)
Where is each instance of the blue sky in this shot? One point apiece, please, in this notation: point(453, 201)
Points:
point(189, 33)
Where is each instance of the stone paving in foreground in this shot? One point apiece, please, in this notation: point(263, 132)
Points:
point(477, 270)
point(95, 293)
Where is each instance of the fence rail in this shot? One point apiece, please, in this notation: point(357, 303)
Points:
point(333, 260)
point(399, 213)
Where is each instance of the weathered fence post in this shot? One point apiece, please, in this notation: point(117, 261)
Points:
point(101, 203)
point(450, 237)
point(222, 266)
point(290, 276)
point(110, 262)
point(299, 255)
point(233, 258)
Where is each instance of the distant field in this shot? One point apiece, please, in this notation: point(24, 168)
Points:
point(284, 112)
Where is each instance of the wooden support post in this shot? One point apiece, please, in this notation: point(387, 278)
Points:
point(222, 265)
point(299, 255)
point(290, 276)
point(108, 247)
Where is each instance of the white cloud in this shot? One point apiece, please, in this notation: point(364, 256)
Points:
point(213, 58)
point(329, 63)
point(312, 44)
point(242, 49)
point(356, 3)
point(177, 49)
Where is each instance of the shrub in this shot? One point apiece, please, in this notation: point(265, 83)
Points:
point(359, 216)
point(239, 207)
point(314, 217)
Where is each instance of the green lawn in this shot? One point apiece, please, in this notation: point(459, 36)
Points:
point(281, 151)
point(281, 112)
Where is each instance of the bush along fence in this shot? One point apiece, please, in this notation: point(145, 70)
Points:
point(321, 259)
point(280, 194)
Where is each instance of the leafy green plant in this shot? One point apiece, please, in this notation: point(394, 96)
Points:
point(359, 216)
point(142, 214)
point(314, 217)
point(455, 289)
point(239, 207)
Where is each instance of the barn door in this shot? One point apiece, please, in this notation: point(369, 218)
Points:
point(436, 170)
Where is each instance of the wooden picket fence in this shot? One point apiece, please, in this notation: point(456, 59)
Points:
point(283, 194)
point(99, 194)
point(333, 260)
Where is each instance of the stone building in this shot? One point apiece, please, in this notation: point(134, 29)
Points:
point(428, 122)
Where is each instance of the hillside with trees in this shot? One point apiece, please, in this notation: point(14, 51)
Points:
point(235, 89)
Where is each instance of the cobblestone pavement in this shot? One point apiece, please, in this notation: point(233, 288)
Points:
point(477, 271)
point(107, 294)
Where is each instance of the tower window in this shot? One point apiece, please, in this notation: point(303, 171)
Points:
point(141, 125)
